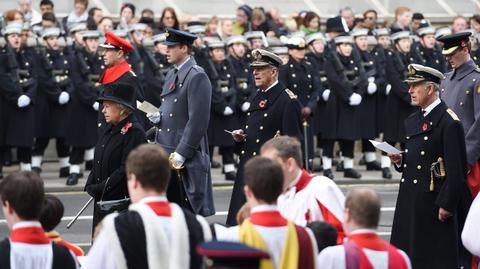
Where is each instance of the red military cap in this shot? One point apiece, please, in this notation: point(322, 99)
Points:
point(114, 42)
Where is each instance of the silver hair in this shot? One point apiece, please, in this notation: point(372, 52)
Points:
point(125, 109)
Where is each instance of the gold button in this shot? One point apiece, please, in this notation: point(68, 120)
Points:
point(258, 141)
point(163, 99)
point(168, 130)
point(415, 181)
point(171, 114)
point(254, 153)
point(294, 85)
point(261, 127)
point(408, 137)
point(246, 126)
point(405, 165)
point(265, 115)
point(159, 130)
point(425, 138)
point(443, 90)
point(419, 167)
point(175, 100)
point(402, 180)
point(467, 92)
point(461, 103)
point(248, 114)
point(406, 150)
point(293, 75)
point(422, 153)
point(243, 152)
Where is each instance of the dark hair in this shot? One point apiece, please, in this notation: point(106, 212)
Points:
point(49, 16)
point(310, 16)
point(176, 25)
point(287, 147)
point(264, 177)
point(364, 206)
point(105, 18)
point(370, 11)
point(417, 16)
point(52, 212)
point(83, 2)
point(325, 234)
point(476, 18)
point(92, 10)
point(46, 3)
point(130, 6)
point(150, 165)
point(24, 192)
point(148, 10)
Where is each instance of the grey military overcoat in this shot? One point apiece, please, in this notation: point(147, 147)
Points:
point(185, 113)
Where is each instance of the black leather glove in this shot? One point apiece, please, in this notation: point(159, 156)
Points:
point(95, 190)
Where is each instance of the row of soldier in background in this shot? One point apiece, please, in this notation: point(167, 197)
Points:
point(350, 86)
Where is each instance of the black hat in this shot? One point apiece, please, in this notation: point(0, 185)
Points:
point(454, 41)
point(247, 9)
point(417, 73)
point(120, 93)
point(337, 24)
point(262, 58)
point(175, 37)
point(231, 254)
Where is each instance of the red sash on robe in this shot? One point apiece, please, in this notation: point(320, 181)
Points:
point(161, 208)
point(268, 219)
point(113, 73)
point(328, 217)
point(29, 235)
point(55, 237)
point(356, 259)
point(473, 179)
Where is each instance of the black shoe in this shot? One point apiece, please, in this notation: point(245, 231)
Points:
point(73, 179)
point(328, 173)
point(230, 176)
point(89, 165)
point(362, 161)
point(64, 172)
point(215, 164)
point(386, 173)
point(334, 162)
point(340, 167)
point(37, 170)
point(373, 166)
point(351, 173)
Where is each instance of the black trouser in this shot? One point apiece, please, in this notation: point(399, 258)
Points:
point(176, 191)
point(42, 143)
point(238, 197)
point(367, 146)
point(24, 154)
point(346, 147)
point(226, 152)
point(77, 155)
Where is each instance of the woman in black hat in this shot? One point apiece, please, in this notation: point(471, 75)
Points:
point(108, 182)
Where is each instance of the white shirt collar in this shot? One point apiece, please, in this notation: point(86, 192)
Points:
point(271, 86)
point(363, 231)
point(430, 107)
point(178, 67)
point(262, 208)
point(156, 198)
point(24, 224)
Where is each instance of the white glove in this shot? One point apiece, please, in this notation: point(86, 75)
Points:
point(372, 88)
point(228, 111)
point(23, 101)
point(154, 117)
point(326, 94)
point(245, 106)
point(63, 98)
point(355, 99)
point(179, 159)
point(387, 89)
point(96, 106)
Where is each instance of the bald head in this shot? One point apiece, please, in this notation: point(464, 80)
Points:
point(364, 207)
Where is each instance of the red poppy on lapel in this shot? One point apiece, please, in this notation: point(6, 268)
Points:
point(424, 127)
point(126, 127)
point(262, 103)
point(171, 87)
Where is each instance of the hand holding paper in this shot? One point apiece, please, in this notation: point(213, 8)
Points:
point(385, 147)
point(147, 107)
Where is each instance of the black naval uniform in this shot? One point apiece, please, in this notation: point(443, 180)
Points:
point(398, 101)
point(276, 111)
point(382, 83)
point(224, 94)
point(432, 58)
point(436, 137)
point(244, 85)
point(300, 78)
point(51, 117)
point(82, 127)
point(19, 122)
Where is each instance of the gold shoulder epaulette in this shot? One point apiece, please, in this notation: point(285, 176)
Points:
point(290, 94)
point(452, 114)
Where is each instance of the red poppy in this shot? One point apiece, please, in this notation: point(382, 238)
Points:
point(262, 103)
point(126, 127)
point(424, 127)
point(171, 87)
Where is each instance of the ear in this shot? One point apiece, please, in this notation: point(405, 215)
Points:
point(8, 207)
point(346, 215)
point(292, 164)
point(134, 181)
point(248, 192)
